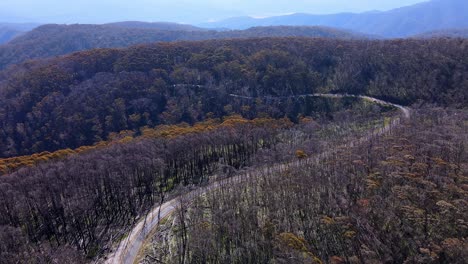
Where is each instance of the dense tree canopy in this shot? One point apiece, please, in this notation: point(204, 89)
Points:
point(53, 40)
point(80, 99)
point(92, 140)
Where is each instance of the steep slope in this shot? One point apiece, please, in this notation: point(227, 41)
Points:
point(368, 194)
point(401, 22)
point(82, 98)
point(54, 40)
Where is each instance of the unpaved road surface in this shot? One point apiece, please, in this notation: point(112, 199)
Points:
point(128, 249)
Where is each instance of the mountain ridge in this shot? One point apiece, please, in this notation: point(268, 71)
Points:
point(399, 22)
point(156, 25)
point(445, 33)
point(78, 94)
point(55, 40)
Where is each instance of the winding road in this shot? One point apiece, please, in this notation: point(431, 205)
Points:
point(129, 248)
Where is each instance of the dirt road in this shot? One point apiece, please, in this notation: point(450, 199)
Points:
point(128, 249)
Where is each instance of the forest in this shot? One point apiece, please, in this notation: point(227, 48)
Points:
point(91, 141)
point(400, 198)
point(54, 40)
point(81, 99)
point(234, 132)
point(449, 33)
point(72, 209)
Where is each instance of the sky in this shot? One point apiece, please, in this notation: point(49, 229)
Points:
point(181, 11)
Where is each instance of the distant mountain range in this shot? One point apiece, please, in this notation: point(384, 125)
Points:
point(8, 31)
point(445, 33)
point(400, 22)
point(54, 40)
point(436, 18)
point(6, 34)
point(157, 25)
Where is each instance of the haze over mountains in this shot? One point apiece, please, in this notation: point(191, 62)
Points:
point(54, 40)
point(156, 25)
point(439, 16)
point(290, 139)
point(9, 31)
point(436, 18)
point(400, 22)
point(450, 33)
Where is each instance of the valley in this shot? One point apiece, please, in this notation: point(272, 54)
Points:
point(236, 132)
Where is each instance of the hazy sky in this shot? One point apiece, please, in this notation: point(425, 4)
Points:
point(185, 11)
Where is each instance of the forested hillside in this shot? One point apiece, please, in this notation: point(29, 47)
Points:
point(396, 199)
point(54, 40)
point(80, 99)
point(446, 33)
point(156, 25)
point(298, 138)
point(72, 209)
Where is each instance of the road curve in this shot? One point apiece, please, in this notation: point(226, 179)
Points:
point(128, 249)
point(404, 110)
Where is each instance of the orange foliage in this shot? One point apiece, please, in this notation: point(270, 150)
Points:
point(294, 242)
point(9, 165)
point(300, 154)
